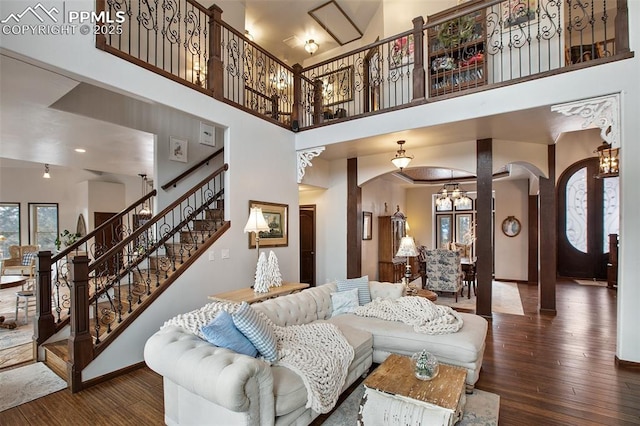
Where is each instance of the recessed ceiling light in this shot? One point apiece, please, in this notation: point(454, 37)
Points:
point(80, 150)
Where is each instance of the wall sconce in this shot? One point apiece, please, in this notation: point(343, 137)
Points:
point(248, 35)
point(608, 161)
point(46, 174)
point(401, 160)
point(311, 46)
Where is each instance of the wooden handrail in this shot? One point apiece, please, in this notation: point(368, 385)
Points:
point(186, 173)
point(144, 228)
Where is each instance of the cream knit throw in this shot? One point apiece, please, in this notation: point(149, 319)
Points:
point(425, 316)
point(320, 355)
point(317, 352)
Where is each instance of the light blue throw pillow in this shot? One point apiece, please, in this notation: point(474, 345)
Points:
point(344, 302)
point(362, 284)
point(257, 330)
point(222, 332)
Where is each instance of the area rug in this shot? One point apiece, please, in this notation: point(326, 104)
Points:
point(24, 384)
point(482, 409)
point(505, 299)
point(592, 282)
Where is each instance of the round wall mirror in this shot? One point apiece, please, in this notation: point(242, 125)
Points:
point(511, 226)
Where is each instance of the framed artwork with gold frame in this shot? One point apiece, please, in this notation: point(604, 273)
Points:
point(276, 216)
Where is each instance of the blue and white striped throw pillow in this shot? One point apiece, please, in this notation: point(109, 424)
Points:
point(362, 284)
point(257, 330)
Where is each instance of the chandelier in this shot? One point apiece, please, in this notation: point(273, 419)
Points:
point(311, 46)
point(401, 160)
point(451, 194)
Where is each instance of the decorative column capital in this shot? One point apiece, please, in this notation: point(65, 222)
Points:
point(304, 159)
point(602, 112)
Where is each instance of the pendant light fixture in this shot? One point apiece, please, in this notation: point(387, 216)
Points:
point(46, 174)
point(145, 211)
point(451, 195)
point(608, 161)
point(401, 160)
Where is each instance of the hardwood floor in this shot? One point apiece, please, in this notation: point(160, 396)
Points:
point(548, 370)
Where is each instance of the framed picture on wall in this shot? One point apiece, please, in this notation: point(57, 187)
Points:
point(367, 219)
point(276, 216)
point(178, 149)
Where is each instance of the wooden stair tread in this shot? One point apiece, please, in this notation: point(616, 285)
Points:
point(59, 349)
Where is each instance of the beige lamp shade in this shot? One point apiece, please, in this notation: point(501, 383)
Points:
point(407, 248)
point(256, 221)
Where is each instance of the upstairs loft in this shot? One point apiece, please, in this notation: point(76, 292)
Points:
point(477, 45)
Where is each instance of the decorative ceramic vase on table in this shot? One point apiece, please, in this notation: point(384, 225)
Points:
point(425, 365)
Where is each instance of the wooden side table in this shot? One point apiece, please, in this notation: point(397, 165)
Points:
point(250, 296)
point(393, 390)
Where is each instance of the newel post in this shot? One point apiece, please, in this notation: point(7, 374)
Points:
point(45, 323)
point(80, 340)
point(622, 27)
point(101, 39)
point(317, 102)
point(297, 96)
point(215, 77)
point(275, 106)
point(418, 59)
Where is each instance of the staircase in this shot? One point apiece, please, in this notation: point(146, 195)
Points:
point(98, 288)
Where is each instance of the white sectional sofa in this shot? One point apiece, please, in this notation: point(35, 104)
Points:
point(205, 384)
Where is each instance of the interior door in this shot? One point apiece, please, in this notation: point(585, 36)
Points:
point(308, 244)
point(107, 239)
point(587, 213)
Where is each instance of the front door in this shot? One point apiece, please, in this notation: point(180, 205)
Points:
point(587, 214)
point(308, 244)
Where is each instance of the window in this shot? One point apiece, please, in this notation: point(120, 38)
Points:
point(9, 227)
point(43, 225)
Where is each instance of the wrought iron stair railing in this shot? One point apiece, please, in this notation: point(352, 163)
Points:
point(99, 289)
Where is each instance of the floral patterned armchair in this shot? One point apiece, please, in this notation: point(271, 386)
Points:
point(444, 271)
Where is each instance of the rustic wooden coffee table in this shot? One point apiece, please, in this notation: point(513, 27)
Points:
point(393, 395)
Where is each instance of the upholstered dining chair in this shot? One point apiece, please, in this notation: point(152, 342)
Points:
point(444, 271)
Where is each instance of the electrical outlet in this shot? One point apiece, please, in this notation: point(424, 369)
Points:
point(212, 255)
point(224, 253)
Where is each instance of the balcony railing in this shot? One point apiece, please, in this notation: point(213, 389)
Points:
point(475, 46)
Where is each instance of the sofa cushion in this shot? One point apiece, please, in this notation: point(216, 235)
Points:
point(344, 302)
point(257, 330)
point(467, 345)
point(385, 290)
point(29, 258)
point(362, 284)
point(222, 332)
point(289, 391)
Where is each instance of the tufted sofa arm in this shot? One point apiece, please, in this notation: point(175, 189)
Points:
point(236, 382)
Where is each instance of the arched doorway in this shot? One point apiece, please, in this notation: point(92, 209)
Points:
point(587, 214)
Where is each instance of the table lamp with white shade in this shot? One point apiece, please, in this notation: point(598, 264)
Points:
point(256, 223)
point(407, 249)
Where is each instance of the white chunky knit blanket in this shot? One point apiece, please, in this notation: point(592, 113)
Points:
point(321, 355)
point(317, 352)
point(419, 312)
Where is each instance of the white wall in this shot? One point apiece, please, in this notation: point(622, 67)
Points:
point(22, 182)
